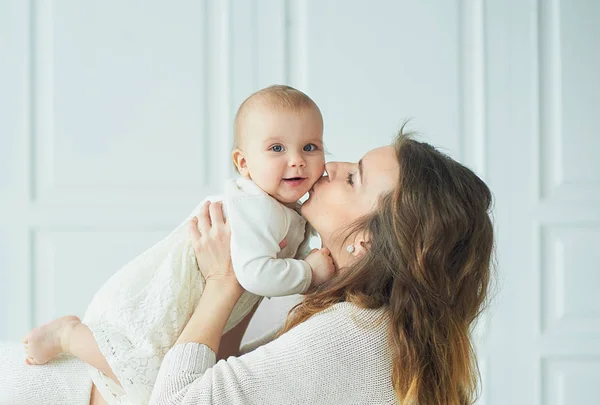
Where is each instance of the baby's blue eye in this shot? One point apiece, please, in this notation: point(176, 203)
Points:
point(277, 148)
point(311, 147)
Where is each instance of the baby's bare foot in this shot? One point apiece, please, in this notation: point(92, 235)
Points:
point(48, 341)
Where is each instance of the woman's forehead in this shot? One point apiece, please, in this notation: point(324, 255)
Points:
point(383, 158)
point(380, 168)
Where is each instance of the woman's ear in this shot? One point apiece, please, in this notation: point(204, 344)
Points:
point(240, 162)
point(360, 246)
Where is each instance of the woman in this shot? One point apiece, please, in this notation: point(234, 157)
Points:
point(410, 232)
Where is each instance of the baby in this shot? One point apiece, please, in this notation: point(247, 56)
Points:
point(138, 314)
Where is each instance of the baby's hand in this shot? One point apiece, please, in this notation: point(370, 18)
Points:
point(321, 263)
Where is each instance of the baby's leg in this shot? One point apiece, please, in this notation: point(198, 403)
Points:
point(65, 335)
point(48, 341)
point(96, 398)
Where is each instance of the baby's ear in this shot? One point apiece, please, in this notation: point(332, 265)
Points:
point(240, 162)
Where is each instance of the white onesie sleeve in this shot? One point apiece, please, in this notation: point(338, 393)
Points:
point(258, 224)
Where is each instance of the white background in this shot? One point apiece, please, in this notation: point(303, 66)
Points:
point(115, 120)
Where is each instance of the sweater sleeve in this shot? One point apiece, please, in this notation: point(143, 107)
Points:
point(326, 359)
point(258, 224)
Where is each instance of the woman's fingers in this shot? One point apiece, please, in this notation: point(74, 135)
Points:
point(193, 229)
point(204, 223)
point(216, 213)
point(210, 216)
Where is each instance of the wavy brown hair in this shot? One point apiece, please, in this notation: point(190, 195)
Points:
point(429, 265)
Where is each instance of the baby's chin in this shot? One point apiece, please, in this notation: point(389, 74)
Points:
point(288, 198)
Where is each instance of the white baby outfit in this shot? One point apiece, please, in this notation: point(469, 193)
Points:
point(138, 314)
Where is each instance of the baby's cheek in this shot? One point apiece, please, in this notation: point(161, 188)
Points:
point(319, 168)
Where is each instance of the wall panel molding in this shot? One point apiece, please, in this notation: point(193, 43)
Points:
point(297, 60)
point(473, 85)
point(553, 137)
point(549, 96)
point(220, 97)
point(570, 380)
point(564, 313)
point(52, 180)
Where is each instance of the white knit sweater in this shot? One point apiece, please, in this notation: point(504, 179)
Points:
point(338, 356)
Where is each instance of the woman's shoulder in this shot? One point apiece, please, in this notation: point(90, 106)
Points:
point(349, 310)
point(341, 353)
point(344, 321)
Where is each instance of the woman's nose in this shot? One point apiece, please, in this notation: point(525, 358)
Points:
point(331, 169)
point(334, 168)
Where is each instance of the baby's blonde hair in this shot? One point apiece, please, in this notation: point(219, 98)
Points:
point(275, 96)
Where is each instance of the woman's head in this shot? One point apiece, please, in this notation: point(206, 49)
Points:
point(349, 192)
point(426, 244)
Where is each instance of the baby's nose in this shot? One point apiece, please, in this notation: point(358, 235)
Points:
point(297, 161)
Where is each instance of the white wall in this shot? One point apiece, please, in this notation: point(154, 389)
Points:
point(115, 119)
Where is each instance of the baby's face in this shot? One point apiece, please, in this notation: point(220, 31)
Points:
point(283, 151)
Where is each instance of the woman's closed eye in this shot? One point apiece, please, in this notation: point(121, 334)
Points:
point(350, 179)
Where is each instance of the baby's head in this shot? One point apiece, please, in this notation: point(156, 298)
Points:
point(279, 142)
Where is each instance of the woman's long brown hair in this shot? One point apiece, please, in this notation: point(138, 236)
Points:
point(429, 265)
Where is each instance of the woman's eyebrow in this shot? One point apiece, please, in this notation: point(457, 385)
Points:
point(360, 171)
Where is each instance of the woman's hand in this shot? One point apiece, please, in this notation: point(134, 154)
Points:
point(211, 237)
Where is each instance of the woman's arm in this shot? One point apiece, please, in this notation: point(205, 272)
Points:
point(208, 320)
point(211, 236)
point(231, 341)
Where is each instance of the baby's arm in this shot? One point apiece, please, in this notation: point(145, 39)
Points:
point(321, 263)
point(258, 223)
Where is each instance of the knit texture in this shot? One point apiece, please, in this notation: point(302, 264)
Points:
point(339, 356)
point(63, 381)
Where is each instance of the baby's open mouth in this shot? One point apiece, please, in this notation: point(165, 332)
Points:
point(294, 181)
